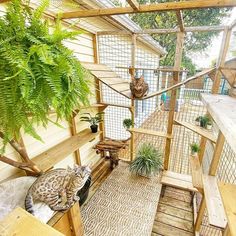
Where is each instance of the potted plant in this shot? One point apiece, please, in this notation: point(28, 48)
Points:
point(127, 123)
point(93, 120)
point(204, 121)
point(197, 120)
point(209, 125)
point(194, 149)
point(148, 161)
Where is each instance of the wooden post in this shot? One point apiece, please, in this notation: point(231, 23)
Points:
point(74, 132)
point(98, 86)
point(202, 149)
point(217, 153)
point(132, 109)
point(178, 59)
point(197, 224)
point(221, 60)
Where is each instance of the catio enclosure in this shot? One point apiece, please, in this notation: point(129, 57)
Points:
point(193, 194)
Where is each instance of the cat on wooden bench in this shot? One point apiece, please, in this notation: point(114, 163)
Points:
point(57, 188)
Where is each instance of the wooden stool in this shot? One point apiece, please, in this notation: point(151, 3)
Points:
point(112, 147)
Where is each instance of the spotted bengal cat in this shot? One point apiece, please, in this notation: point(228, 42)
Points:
point(57, 188)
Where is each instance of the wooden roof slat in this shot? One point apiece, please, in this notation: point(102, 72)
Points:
point(57, 153)
point(214, 204)
point(155, 7)
point(167, 31)
point(95, 67)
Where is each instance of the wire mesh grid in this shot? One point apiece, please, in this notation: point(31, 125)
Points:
point(152, 113)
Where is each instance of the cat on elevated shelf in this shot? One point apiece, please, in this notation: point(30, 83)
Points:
point(57, 188)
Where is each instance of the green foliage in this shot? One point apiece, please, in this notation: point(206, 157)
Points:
point(147, 162)
point(204, 121)
point(195, 42)
point(127, 123)
point(195, 148)
point(37, 72)
point(93, 120)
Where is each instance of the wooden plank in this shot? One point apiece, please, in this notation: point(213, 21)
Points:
point(173, 211)
point(21, 223)
point(196, 171)
point(168, 230)
point(200, 215)
point(112, 81)
point(95, 66)
point(169, 201)
point(177, 85)
point(197, 129)
point(75, 220)
point(169, 6)
point(214, 204)
point(134, 4)
point(174, 221)
point(49, 158)
point(104, 74)
point(149, 132)
point(228, 193)
point(226, 120)
point(202, 146)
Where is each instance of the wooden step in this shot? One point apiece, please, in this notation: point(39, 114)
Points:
point(214, 204)
point(177, 180)
point(197, 129)
point(150, 132)
point(57, 153)
point(228, 194)
point(196, 171)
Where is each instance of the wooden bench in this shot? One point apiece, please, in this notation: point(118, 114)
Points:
point(214, 204)
point(177, 180)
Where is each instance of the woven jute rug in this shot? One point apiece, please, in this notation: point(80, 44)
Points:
point(125, 205)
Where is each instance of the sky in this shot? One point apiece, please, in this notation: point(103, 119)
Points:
point(204, 60)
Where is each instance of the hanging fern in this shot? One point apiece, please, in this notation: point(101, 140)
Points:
point(37, 72)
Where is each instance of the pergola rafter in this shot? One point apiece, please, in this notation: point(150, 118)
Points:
point(155, 7)
point(165, 31)
point(134, 4)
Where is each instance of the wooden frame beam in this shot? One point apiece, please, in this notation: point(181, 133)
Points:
point(167, 6)
point(134, 4)
point(180, 20)
point(166, 31)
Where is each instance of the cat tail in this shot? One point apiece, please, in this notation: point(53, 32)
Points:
point(29, 203)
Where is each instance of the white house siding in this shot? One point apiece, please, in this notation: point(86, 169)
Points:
point(52, 135)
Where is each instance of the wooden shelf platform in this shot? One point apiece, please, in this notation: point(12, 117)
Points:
point(214, 204)
point(201, 131)
point(109, 78)
point(177, 180)
point(228, 193)
point(21, 223)
point(49, 158)
point(196, 171)
point(222, 109)
point(150, 132)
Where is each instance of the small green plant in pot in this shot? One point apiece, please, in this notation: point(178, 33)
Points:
point(127, 123)
point(148, 161)
point(195, 149)
point(93, 120)
point(204, 121)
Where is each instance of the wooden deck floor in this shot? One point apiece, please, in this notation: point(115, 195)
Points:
point(174, 215)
